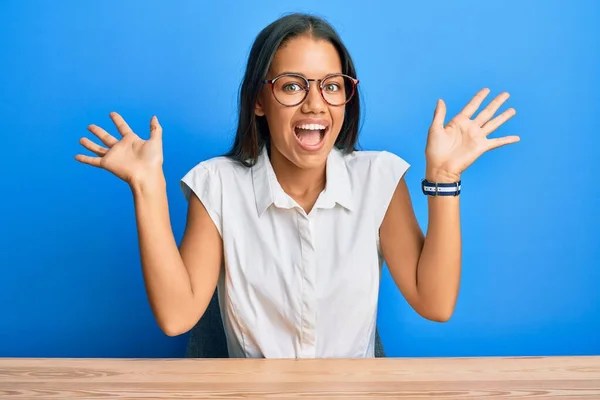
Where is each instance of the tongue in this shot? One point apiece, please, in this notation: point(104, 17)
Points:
point(308, 136)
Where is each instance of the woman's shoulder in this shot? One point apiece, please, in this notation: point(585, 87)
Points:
point(213, 174)
point(219, 164)
point(373, 179)
point(220, 168)
point(373, 161)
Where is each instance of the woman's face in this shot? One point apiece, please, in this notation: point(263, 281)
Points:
point(305, 133)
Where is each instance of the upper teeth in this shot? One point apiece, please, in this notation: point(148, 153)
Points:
point(312, 127)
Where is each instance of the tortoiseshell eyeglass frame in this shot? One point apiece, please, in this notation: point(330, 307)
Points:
point(271, 82)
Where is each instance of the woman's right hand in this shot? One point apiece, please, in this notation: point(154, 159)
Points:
point(131, 158)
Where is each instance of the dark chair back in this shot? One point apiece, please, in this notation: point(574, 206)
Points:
point(207, 338)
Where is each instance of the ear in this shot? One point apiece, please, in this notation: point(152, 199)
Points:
point(258, 109)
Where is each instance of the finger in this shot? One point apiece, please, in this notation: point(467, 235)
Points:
point(93, 161)
point(492, 125)
point(155, 128)
point(93, 147)
point(475, 103)
point(502, 141)
point(439, 114)
point(488, 112)
point(106, 138)
point(120, 123)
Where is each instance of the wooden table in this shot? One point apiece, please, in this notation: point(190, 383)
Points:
point(391, 378)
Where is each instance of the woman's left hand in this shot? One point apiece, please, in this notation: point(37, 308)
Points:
point(451, 148)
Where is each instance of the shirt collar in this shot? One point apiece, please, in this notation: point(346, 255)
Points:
point(268, 191)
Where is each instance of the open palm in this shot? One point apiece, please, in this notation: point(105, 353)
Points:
point(130, 158)
point(451, 148)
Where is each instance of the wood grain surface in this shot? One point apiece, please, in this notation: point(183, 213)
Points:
point(381, 378)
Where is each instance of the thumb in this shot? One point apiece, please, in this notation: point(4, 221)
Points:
point(155, 128)
point(439, 114)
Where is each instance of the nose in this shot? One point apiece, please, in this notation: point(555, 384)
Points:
point(314, 102)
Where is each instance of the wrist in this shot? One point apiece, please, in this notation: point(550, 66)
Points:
point(441, 175)
point(148, 184)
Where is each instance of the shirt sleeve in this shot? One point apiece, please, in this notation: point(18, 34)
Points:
point(206, 185)
point(390, 170)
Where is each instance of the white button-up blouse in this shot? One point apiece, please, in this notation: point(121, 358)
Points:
point(297, 285)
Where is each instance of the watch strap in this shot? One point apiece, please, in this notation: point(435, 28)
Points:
point(440, 189)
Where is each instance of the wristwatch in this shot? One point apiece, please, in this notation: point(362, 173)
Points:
point(440, 189)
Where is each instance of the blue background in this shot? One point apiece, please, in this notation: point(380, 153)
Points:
point(70, 277)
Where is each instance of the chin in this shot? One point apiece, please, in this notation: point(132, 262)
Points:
point(310, 161)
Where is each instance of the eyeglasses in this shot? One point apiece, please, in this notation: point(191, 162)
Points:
point(292, 89)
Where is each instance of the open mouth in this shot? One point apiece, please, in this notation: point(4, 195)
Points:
point(310, 135)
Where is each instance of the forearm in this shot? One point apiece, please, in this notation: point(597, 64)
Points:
point(438, 270)
point(439, 266)
point(167, 281)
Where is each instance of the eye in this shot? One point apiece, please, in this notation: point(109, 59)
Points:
point(331, 87)
point(292, 87)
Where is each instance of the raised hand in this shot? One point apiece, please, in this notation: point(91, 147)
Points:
point(451, 148)
point(131, 158)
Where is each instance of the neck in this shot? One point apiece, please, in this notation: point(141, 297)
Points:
point(297, 182)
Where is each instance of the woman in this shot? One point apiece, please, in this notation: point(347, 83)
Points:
point(294, 223)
